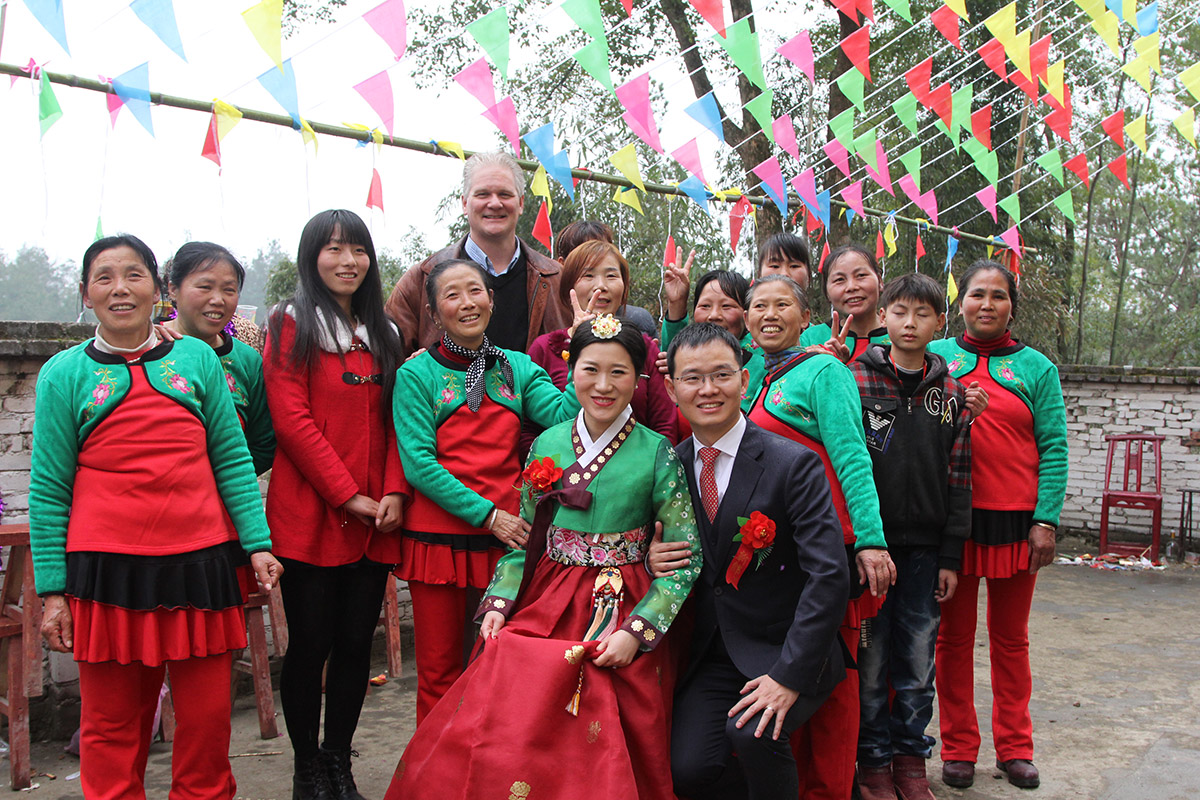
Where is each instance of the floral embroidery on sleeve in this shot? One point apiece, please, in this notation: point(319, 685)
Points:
point(100, 393)
point(777, 398)
point(956, 364)
point(451, 394)
point(172, 379)
point(239, 394)
point(1005, 371)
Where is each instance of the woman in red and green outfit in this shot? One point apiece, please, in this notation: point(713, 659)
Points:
point(458, 409)
point(811, 398)
point(1019, 478)
point(852, 281)
point(334, 503)
point(143, 506)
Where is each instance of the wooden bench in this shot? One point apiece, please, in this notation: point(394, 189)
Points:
point(20, 648)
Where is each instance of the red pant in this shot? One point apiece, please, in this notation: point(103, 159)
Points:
point(118, 703)
point(439, 614)
point(827, 745)
point(1008, 603)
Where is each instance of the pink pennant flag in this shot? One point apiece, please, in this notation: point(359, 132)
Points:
point(476, 78)
point(910, 188)
point(387, 19)
point(838, 155)
point(798, 50)
point(737, 217)
point(987, 196)
point(375, 193)
point(689, 157)
point(669, 251)
point(634, 95)
point(212, 142)
point(1011, 238)
point(806, 186)
point(771, 175)
point(852, 194)
point(113, 101)
point(929, 205)
point(504, 116)
point(883, 176)
point(785, 135)
point(377, 91)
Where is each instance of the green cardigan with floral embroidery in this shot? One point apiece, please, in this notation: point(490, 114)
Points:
point(641, 484)
point(78, 388)
point(819, 398)
point(244, 374)
point(755, 364)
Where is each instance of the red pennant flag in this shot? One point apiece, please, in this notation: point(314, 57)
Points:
point(867, 9)
point(811, 223)
point(920, 248)
point(1118, 168)
point(628, 7)
point(1039, 57)
point(879, 246)
point(941, 102)
point(981, 125)
point(1079, 166)
point(541, 229)
point(824, 255)
point(857, 47)
point(1059, 120)
point(849, 8)
point(737, 216)
point(669, 251)
point(1114, 126)
point(1029, 87)
point(713, 12)
point(946, 21)
point(992, 54)
point(212, 143)
point(918, 80)
point(375, 193)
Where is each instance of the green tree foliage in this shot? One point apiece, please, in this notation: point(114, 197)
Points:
point(34, 288)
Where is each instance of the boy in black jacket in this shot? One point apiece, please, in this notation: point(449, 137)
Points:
point(918, 434)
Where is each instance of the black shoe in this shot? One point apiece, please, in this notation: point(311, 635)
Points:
point(959, 774)
point(310, 781)
point(341, 779)
point(1021, 772)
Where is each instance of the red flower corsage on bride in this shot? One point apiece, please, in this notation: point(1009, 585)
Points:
point(757, 537)
point(541, 475)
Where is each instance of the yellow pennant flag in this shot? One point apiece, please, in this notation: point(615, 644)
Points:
point(540, 186)
point(1147, 48)
point(227, 117)
point(628, 196)
point(453, 147)
point(1185, 123)
point(1129, 12)
point(1136, 131)
point(958, 7)
point(1054, 81)
point(719, 195)
point(1139, 70)
point(1018, 52)
point(265, 21)
point(1106, 26)
point(952, 287)
point(1003, 24)
point(1190, 78)
point(1093, 8)
point(625, 160)
point(889, 235)
point(309, 135)
point(377, 138)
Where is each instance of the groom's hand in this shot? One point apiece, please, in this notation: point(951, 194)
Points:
point(666, 557)
point(767, 695)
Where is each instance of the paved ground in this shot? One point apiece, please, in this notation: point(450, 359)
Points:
point(1116, 687)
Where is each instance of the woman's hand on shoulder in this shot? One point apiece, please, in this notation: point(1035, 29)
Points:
point(390, 514)
point(616, 650)
point(510, 529)
point(58, 627)
point(167, 333)
point(493, 621)
point(267, 569)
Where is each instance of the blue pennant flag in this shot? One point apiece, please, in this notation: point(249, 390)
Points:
point(133, 87)
point(849, 216)
point(694, 189)
point(706, 112)
point(1147, 19)
point(951, 249)
point(159, 16)
point(823, 208)
point(557, 163)
point(282, 86)
point(560, 170)
point(50, 14)
point(780, 202)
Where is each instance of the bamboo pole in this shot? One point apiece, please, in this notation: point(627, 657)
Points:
point(341, 131)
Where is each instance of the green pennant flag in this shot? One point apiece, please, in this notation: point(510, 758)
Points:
point(1066, 205)
point(906, 111)
point(760, 108)
point(586, 14)
point(1052, 163)
point(851, 84)
point(842, 127)
point(901, 8)
point(742, 46)
point(864, 145)
point(985, 160)
point(1012, 207)
point(961, 110)
point(491, 32)
point(49, 111)
point(594, 60)
point(100, 230)
point(912, 162)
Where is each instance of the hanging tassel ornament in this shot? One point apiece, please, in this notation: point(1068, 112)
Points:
point(607, 594)
point(574, 655)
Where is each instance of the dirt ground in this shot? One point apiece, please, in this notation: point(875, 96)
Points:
point(1116, 663)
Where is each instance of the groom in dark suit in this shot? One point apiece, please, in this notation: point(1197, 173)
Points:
point(765, 652)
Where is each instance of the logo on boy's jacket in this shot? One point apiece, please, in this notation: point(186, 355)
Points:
point(878, 428)
point(937, 406)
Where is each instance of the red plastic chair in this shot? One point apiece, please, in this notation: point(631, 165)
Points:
point(1135, 488)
